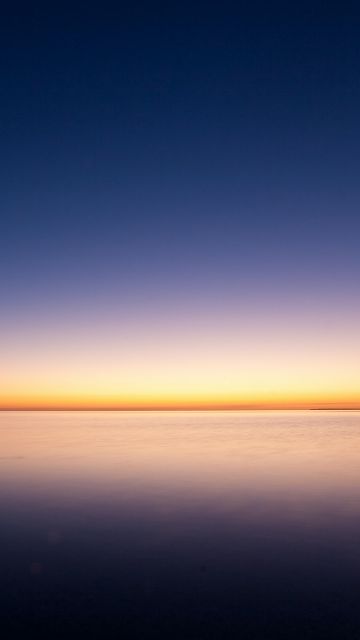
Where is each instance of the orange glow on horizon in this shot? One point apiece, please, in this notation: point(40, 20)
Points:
point(255, 359)
point(178, 403)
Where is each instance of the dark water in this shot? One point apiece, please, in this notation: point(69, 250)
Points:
point(180, 525)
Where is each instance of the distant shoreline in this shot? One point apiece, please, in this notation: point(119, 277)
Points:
point(170, 409)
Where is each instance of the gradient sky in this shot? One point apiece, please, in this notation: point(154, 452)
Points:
point(180, 205)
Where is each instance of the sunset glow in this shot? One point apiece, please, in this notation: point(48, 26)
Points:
point(285, 357)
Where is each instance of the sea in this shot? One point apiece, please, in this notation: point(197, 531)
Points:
point(180, 525)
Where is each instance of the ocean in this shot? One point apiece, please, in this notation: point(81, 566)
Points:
point(180, 525)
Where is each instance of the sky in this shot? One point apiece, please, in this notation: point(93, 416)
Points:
point(179, 205)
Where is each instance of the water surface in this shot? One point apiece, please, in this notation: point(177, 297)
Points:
point(184, 525)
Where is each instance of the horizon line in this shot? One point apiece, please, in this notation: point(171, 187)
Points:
point(184, 408)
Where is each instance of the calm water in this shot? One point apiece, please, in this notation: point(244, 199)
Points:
point(180, 525)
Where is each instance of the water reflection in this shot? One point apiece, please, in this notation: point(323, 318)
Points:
point(181, 525)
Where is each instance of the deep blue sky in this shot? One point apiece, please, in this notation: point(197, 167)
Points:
point(179, 150)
